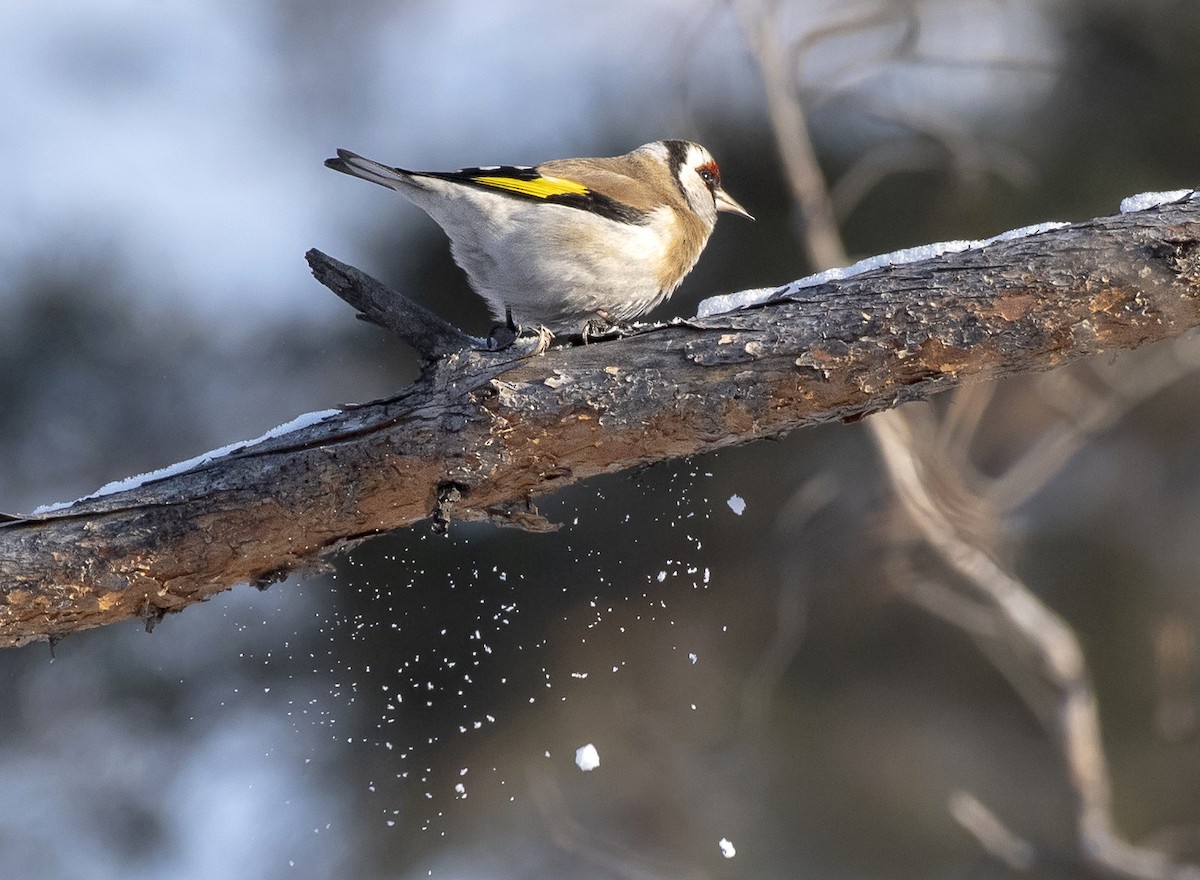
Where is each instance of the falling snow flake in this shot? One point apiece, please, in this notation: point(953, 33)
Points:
point(737, 504)
point(727, 849)
point(587, 758)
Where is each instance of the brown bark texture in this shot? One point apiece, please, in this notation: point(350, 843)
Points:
point(483, 433)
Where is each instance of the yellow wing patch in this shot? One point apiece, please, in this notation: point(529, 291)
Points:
point(538, 188)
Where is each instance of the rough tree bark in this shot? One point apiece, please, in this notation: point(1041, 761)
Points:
point(482, 433)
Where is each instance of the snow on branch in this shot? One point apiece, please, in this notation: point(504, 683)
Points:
point(482, 433)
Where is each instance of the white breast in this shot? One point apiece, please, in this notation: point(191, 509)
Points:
point(552, 265)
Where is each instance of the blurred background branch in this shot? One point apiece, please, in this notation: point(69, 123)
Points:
point(927, 458)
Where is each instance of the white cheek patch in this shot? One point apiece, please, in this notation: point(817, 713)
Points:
point(699, 197)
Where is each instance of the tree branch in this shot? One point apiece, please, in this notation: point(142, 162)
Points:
point(431, 336)
point(482, 433)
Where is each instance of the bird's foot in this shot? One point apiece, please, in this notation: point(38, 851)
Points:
point(603, 326)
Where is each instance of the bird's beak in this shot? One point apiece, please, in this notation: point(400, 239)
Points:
point(726, 203)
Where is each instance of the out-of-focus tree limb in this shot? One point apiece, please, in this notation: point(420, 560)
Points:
point(482, 433)
point(1012, 614)
point(927, 459)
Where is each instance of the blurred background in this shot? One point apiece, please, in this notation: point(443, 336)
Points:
point(760, 644)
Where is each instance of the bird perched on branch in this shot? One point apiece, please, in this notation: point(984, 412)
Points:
point(571, 244)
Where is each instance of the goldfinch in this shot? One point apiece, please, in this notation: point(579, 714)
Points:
point(570, 244)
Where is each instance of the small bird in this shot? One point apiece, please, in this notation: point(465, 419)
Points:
point(572, 244)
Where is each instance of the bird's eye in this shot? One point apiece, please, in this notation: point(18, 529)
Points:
point(709, 174)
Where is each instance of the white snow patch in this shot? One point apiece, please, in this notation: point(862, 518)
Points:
point(737, 504)
point(1146, 201)
point(587, 758)
point(171, 470)
point(693, 658)
point(729, 302)
point(727, 849)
